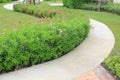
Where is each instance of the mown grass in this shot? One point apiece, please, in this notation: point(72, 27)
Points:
point(10, 19)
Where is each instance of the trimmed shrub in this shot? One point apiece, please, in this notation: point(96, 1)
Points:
point(34, 10)
point(90, 6)
point(113, 8)
point(108, 7)
point(113, 63)
point(75, 3)
point(39, 42)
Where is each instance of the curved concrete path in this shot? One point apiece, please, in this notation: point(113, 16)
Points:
point(8, 6)
point(84, 58)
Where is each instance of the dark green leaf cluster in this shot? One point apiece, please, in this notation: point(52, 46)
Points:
point(108, 7)
point(75, 3)
point(49, 39)
point(36, 11)
point(113, 64)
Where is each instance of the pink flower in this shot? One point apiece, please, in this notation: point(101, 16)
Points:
point(59, 12)
point(60, 30)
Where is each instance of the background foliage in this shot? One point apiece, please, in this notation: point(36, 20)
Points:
point(75, 3)
point(113, 64)
point(108, 7)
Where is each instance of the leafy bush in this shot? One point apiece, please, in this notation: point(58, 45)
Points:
point(35, 43)
point(34, 10)
point(90, 6)
point(109, 7)
point(75, 3)
point(113, 63)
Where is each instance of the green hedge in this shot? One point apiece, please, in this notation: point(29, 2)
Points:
point(113, 63)
point(109, 7)
point(33, 10)
point(75, 3)
point(90, 6)
point(35, 43)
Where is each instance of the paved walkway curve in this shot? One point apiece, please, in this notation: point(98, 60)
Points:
point(84, 58)
point(8, 6)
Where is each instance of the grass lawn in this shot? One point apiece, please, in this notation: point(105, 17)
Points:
point(10, 19)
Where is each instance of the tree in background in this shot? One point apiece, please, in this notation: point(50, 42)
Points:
point(75, 4)
point(100, 2)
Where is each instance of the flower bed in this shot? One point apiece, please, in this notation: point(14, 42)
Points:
point(36, 11)
point(43, 40)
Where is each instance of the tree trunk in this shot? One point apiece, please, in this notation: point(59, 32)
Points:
point(99, 4)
